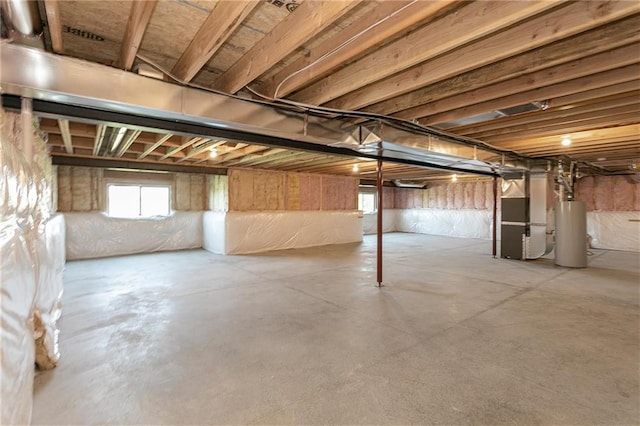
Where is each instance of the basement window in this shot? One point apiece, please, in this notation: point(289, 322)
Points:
point(367, 202)
point(137, 201)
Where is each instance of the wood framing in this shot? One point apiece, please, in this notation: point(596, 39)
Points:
point(54, 25)
point(472, 22)
point(223, 20)
point(139, 17)
point(282, 40)
point(384, 22)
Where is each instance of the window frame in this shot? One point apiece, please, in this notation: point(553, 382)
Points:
point(116, 182)
point(368, 191)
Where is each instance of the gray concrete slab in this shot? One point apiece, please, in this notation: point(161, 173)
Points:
point(305, 337)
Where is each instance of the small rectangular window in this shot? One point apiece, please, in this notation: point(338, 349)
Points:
point(367, 202)
point(134, 201)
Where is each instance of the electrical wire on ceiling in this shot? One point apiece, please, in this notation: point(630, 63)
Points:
point(340, 46)
point(398, 123)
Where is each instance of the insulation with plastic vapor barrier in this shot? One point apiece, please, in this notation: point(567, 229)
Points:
point(32, 246)
point(94, 234)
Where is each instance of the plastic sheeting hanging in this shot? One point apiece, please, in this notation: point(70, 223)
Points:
point(32, 262)
point(93, 234)
point(255, 232)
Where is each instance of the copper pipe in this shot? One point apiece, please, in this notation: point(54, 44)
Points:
point(380, 207)
point(495, 219)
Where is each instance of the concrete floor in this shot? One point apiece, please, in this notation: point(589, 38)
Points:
point(304, 337)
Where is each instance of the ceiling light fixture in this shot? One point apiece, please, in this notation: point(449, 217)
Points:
point(213, 153)
point(355, 168)
point(454, 178)
point(566, 141)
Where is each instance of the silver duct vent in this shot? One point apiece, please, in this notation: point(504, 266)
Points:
point(68, 88)
point(22, 19)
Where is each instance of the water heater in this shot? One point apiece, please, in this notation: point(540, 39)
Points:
point(571, 234)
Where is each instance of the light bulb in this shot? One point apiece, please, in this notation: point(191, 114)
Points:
point(454, 178)
point(566, 141)
point(355, 168)
point(213, 153)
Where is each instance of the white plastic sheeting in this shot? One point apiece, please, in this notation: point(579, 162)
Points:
point(254, 232)
point(213, 224)
point(91, 235)
point(31, 262)
point(51, 256)
point(451, 223)
point(389, 222)
point(614, 230)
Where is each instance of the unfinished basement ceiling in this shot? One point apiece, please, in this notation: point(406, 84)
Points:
point(433, 62)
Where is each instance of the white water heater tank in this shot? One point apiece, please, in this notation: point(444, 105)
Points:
point(571, 234)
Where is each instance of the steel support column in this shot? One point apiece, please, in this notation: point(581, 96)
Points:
point(379, 217)
point(495, 218)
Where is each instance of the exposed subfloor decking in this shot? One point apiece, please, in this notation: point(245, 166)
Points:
point(304, 336)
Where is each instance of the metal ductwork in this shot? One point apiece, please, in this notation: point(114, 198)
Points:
point(22, 16)
point(67, 88)
point(22, 20)
point(527, 219)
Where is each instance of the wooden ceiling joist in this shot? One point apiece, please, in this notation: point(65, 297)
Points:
point(452, 109)
point(542, 118)
point(620, 116)
point(277, 157)
point(310, 18)
point(173, 151)
point(160, 140)
point(256, 157)
point(584, 44)
point(474, 21)
point(139, 18)
point(601, 92)
point(206, 147)
point(129, 139)
point(240, 152)
point(54, 24)
point(99, 138)
point(223, 20)
point(568, 20)
point(66, 135)
point(630, 132)
point(378, 26)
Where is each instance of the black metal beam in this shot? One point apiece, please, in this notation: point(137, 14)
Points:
point(146, 123)
point(119, 163)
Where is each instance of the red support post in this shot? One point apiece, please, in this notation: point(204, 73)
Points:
point(495, 219)
point(379, 217)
